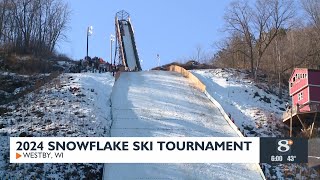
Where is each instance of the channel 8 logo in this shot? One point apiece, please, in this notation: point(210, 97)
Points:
point(293, 150)
point(284, 146)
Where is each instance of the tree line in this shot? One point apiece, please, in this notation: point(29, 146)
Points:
point(271, 37)
point(32, 26)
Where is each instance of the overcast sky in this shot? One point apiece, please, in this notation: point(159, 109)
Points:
point(171, 28)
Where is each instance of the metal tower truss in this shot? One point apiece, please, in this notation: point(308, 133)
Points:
point(125, 42)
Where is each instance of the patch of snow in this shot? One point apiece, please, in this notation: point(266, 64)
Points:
point(253, 110)
point(62, 63)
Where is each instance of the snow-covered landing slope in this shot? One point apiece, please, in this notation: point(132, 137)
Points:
point(158, 103)
point(255, 111)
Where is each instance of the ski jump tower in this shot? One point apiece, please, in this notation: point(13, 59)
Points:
point(126, 49)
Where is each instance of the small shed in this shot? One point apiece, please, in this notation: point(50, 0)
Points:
point(304, 89)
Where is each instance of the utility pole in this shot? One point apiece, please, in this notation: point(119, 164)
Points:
point(158, 58)
point(87, 44)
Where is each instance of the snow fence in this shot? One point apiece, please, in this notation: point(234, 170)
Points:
point(194, 80)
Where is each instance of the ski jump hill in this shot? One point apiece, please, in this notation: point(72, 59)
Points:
point(166, 104)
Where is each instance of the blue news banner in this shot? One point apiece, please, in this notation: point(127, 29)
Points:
point(283, 150)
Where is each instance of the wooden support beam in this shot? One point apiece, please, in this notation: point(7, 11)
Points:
point(303, 125)
point(314, 119)
point(291, 123)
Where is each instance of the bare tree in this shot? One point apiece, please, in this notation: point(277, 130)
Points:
point(238, 18)
point(262, 36)
point(232, 52)
point(199, 54)
point(259, 25)
point(312, 10)
point(32, 26)
point(270, 18)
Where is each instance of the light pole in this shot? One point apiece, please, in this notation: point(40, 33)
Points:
point(111, 42)
point(158, 58)
point(89, 33)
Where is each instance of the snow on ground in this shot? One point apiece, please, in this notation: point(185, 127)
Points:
point(255, 111)
point(70, 105)
point(158, 103)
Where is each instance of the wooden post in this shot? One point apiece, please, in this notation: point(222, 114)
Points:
point(303, 125)
point(314, 119)
point(291, 123)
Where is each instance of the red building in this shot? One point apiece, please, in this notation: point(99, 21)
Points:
point(304, 88)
